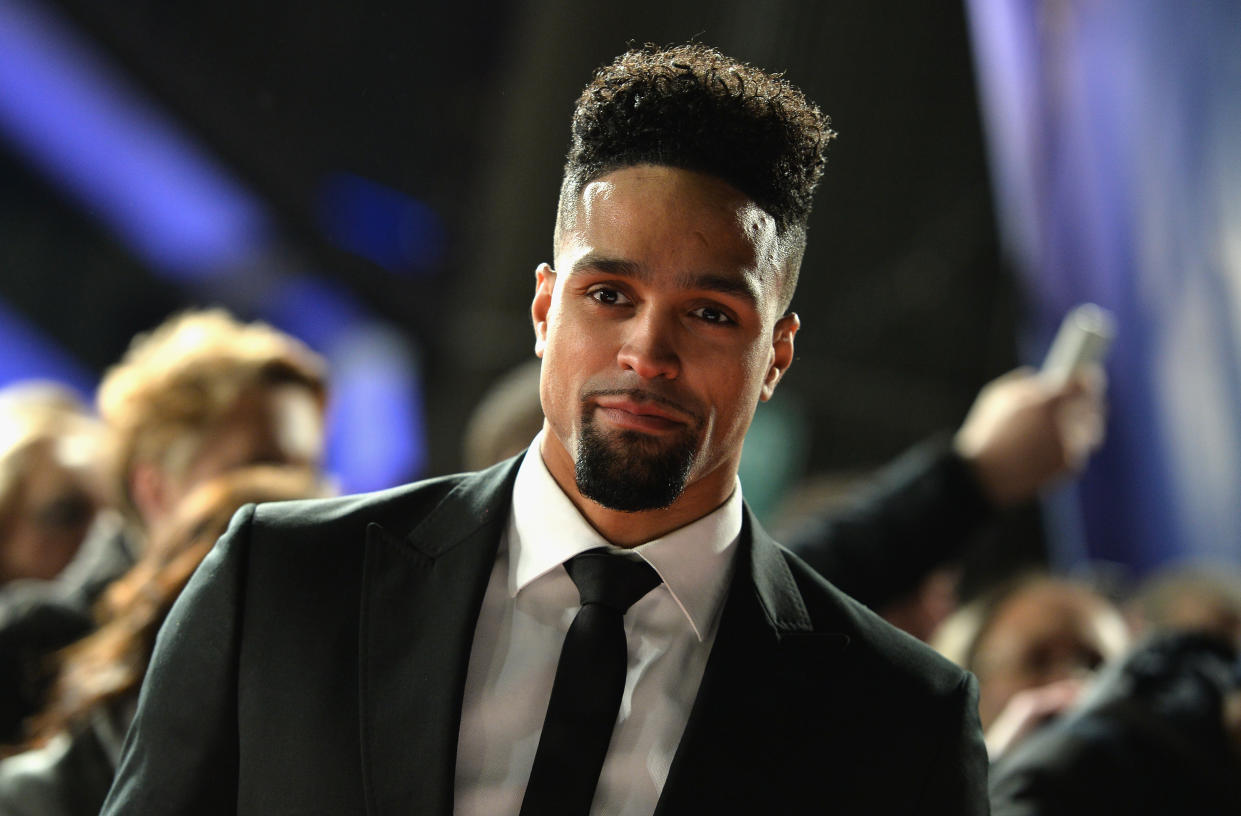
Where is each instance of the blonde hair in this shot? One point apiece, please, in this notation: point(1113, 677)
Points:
point(177, 382)
point(41, 412)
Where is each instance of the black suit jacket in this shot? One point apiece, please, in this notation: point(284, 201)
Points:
point(316, 665)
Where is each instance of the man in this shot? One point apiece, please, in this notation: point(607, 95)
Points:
point(895, 543)
point(194, 398)
point(398, 653)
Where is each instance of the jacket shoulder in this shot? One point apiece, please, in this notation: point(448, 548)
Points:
point(398, 509)
point(385, 507)
point(909, 662)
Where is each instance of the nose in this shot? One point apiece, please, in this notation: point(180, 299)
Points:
point(649, 348)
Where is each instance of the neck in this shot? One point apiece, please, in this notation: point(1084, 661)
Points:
point(630, 529)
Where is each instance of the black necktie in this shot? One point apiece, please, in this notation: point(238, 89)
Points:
point(590, 679)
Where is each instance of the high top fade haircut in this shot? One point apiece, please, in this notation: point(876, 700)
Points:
point(691, 107)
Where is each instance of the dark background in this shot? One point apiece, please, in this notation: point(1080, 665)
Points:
point(906, 307)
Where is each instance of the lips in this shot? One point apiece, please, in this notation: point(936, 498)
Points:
point(645, 415)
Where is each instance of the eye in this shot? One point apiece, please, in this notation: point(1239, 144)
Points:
point(710, 314)
point(607, 296)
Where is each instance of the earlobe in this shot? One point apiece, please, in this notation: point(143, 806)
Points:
point(545, 283)
point(781, 353)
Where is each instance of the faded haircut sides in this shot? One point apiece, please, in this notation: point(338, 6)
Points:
point(691, 107)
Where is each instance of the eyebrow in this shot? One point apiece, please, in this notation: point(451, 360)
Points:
point(723, 284)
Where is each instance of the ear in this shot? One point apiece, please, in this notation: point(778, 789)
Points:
point(545, 283)
point(782, 353)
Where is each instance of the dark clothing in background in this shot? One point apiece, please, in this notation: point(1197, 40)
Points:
point(1149, 741)
point(917, 515)
point(317, 660)
point(69, 776)
point(37, 618)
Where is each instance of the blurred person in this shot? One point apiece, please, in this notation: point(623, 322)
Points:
point(1033, 643)
point(50, 495)
point(1158, 733)
point(1189, 597)
point(917, 514)
point(505, 419)
point(78, 736)
point(420, 650)
point(199, 395)
point(50, 485)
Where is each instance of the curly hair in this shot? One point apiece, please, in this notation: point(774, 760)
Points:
point(691, 107)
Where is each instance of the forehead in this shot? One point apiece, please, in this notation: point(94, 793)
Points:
point(663, 218)
point(1045, 613)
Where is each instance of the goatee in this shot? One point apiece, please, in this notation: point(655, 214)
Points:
point(631, 471)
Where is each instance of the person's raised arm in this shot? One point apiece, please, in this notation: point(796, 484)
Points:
point(1019, 436)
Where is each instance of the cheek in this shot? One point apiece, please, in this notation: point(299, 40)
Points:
point(743, 380)
point(556, 387)
point(575, 348)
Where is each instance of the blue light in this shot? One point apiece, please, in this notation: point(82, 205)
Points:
point(376, 425)
point(80, 122)
point(376, 428)
point(383, 225)
point(317, 311)
point(27, 355)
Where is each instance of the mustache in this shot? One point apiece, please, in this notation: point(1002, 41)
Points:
point(646, 395)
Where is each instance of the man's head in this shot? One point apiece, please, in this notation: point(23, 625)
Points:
point(202, 394)
point(691, 107)
point(680, 229)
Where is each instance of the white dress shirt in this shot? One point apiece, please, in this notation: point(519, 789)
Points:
point(529, 604)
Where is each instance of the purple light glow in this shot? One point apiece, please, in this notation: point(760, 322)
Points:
point(82, 124)
point(26, 355)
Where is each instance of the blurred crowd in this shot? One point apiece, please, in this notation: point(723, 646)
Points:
point(1093, 696)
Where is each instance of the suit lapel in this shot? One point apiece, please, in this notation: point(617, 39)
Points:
point(420, 603)
point(767, 662)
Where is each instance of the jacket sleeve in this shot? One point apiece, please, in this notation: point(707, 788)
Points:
point(957, 782)
point(180, 754)
point(917, 516)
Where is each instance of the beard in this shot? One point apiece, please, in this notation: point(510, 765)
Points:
point(631, 471)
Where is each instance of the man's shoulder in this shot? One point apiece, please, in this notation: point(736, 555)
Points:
point(371, 507)
point(398, 509)
point(907, 663)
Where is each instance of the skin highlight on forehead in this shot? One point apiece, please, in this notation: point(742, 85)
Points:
point(771, 256)
point(766, 254)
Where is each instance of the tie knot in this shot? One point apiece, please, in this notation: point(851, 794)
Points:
point(615, 580)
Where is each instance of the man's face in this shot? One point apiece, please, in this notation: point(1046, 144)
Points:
point(659, 332)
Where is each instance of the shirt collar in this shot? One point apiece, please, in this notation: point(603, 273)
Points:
point(693, 561)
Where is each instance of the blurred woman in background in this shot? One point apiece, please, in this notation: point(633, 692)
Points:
point(50, 487)
point(76, 741)
point(1033, 643)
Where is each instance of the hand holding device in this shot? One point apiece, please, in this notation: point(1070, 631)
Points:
point(1084, 338)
